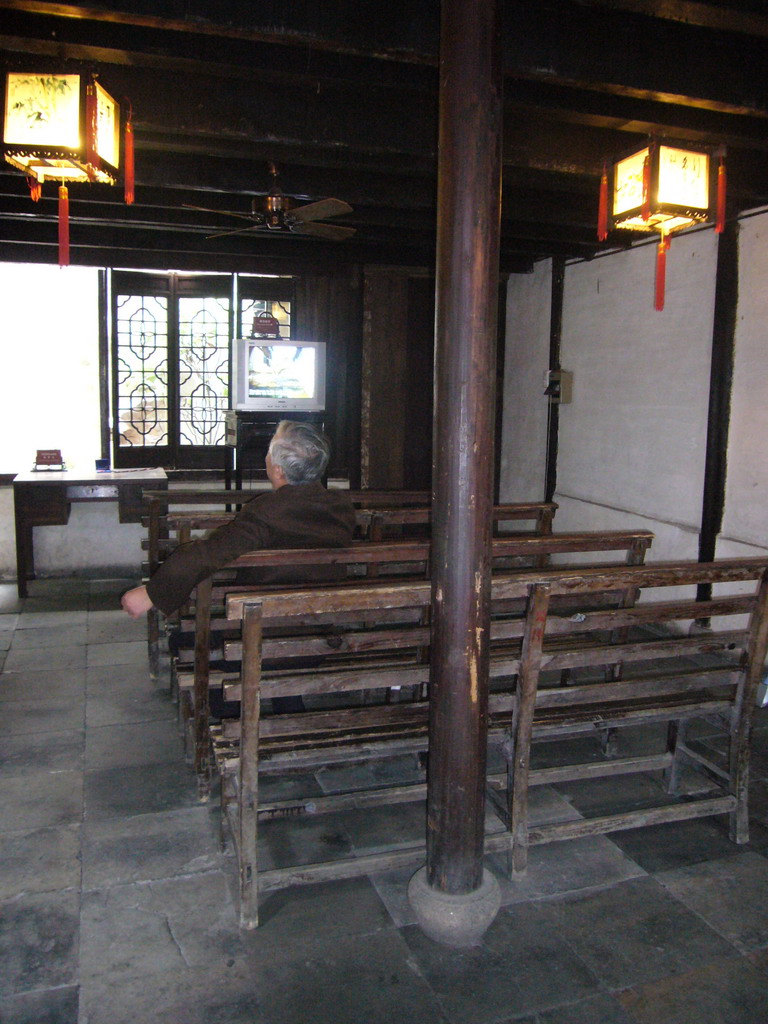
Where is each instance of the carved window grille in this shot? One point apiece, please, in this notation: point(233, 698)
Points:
point(203, 370)
point(171, 360)
point(141, 369)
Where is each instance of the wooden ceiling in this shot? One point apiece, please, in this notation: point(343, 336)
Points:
point(342, 96)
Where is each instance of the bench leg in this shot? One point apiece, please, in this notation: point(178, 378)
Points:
point(201, 695)
point(675, 739)
point(520, 749)
point(248, 788)
point(739, 765)
point(153, 642)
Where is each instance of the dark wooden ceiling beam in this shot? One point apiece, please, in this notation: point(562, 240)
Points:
point(722, 18)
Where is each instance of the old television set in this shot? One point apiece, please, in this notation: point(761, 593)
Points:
point(278, 375)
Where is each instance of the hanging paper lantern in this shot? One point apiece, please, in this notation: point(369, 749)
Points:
point(65, 128)
point(664, 187)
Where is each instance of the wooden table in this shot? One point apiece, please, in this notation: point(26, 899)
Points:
point(45, 498)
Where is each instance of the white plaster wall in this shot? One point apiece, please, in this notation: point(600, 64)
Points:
point(94, 542)
point(745, 522)
point(632, 443)
point(49, 387)
point(526, 358)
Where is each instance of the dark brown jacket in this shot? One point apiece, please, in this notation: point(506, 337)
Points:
point(294, 516)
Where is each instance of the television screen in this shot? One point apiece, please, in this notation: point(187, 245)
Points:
point(279, 375)
point(282, 371)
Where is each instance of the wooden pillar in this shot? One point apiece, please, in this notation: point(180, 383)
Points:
point(469, 200)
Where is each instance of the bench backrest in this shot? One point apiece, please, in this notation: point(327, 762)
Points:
point(376, 512)
point(553, 638)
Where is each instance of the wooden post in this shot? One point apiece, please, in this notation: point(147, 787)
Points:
point(469, 202)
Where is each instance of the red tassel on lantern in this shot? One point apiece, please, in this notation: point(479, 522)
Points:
point(35, 189)
point(661, 271)
point(63, 226)
point(129, 171)
point(646, 207)
point(721, 189)
point(602, 209)
point(91, 123)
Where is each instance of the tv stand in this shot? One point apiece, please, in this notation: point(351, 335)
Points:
point(249, 433)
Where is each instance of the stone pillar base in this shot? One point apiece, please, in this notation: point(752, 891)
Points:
point(454, 920)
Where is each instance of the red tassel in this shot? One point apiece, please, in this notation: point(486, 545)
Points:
point(129, 172)
point(602, 209)
point(646, 207)
point(721, 190)
point(661, 272)
point(35, 189)
point(63, 226)
point(91, 129)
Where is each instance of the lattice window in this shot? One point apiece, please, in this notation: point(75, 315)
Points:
point(141, 368)
point(280, 310)
point(203, 369)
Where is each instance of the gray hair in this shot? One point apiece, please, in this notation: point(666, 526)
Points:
point(301, 450)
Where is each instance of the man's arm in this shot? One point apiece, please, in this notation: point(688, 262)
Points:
point(190, 563)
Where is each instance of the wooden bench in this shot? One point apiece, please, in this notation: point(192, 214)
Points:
point(387, 558)
point(165, 530)
point(671, 676)
point(159, 543)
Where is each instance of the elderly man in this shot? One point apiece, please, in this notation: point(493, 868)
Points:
point(298, 512)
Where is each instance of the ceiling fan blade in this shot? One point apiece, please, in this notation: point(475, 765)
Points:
point(320, 210)
point(236, 231)
point(220, 213)
point(333, 232)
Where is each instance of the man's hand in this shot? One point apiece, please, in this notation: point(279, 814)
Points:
point(136, 602)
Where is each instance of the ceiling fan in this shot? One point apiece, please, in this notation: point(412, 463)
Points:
point(278, 212)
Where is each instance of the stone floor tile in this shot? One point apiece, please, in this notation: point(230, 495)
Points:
point(48, 714)
point(113, 625)
point(400, 771)
point(103, 678)
point(41, 684)
point(5, 642)
point(10, 602)
point(728, 991)
point(126, 652)
point(284, 842)
point(140, 789)
point(378, 829)
point(149, 846)
point(113, 746)
point(52, 636)
point(392, 887)
point(677, 844)
point(372, 980)
point(637, 932)
point(38, 941)
point(225, 994)
point(304, 921)
point(40, 800)
point(121, 935)
point(34, 753)
point(47, 1006)
point(43, 860)
point(126, 707)
point(476, 985)
point(54, 614)
point(288, 787)
point(600, 1009)
point(557, 868)
point(606, 795)
point(42, 659)
point(547, 971)
point(729, 894)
